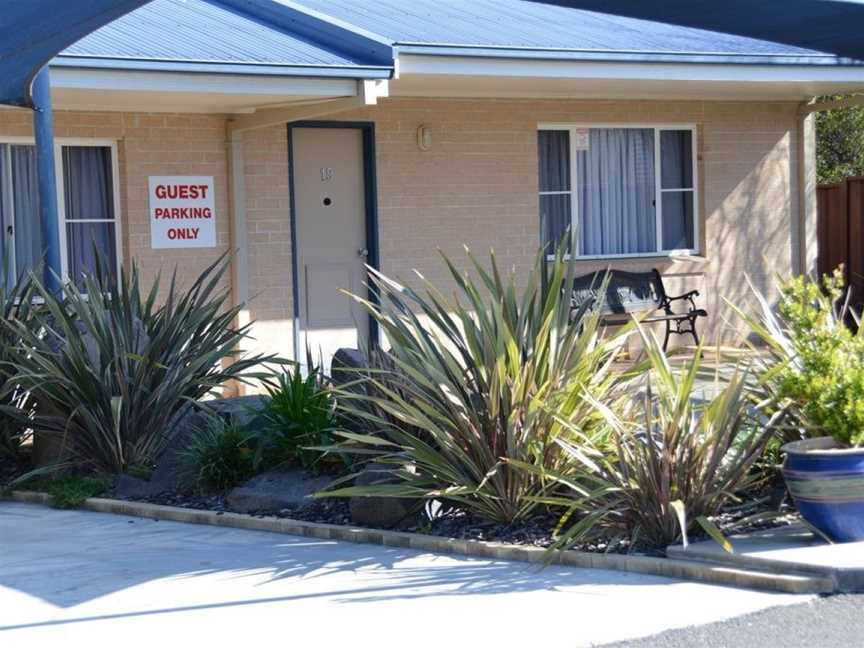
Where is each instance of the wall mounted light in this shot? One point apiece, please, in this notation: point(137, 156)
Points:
point(424, 137)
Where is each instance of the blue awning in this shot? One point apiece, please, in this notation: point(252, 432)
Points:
point(832, 26)
point(34, 31)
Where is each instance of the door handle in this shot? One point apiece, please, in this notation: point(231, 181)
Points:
point(363, 252)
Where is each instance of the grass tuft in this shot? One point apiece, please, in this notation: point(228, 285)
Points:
point(69, 492)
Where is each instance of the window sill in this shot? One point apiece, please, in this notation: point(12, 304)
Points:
point(694, 257)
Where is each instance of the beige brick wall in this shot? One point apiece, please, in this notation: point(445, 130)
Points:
point(476, 186)
point(150, 144)
point(269, 235)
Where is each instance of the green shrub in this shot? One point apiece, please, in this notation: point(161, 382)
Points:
point(493, 374)
point(299, 417)
point(675, 458)
point(816, 362)
point(113, 368)
point(219, 456)
point(16, 407)
point(69, 492)
point(368, 415)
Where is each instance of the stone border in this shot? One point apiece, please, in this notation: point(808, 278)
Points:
point(846, 579)
point(792, 582)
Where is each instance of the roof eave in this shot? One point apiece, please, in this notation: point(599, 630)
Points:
point(217, 67)
point(603, 56)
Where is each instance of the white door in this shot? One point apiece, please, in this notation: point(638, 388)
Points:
point(331, 248)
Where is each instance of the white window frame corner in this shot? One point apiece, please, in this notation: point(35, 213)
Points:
point(695, 251)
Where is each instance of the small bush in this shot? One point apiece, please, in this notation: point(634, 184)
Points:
point(675, 458)
point(16, 406)
point(490, 375)
point(220, 455)
point(816, 361)
point(299, 417)
point(69, 492)
point(115, 362)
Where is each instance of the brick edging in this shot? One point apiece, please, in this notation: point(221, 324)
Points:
point(656, 566)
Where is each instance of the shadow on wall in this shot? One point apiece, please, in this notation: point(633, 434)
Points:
point(751, 235)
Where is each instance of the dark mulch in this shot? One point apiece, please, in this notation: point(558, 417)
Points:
point(327, 511)
point(453, 522)
point(535, 531)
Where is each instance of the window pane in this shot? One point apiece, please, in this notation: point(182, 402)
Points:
point(29, 251)
point(89, 195)
point(615, 192)
point(85, 241)
point(553, 148)
point(678, 220)
point(87, 176)
point(554, 220)
point(676, 159)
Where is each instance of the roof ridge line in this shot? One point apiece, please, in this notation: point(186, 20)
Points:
point(318, 28)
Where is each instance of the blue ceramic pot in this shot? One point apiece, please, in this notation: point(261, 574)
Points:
point(827, 484)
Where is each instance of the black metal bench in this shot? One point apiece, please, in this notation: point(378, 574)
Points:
point(638, 292)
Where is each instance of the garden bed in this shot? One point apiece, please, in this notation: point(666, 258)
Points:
point(510, 440)
point(535, 531)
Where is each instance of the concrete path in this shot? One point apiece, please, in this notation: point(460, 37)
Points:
point(71, 578)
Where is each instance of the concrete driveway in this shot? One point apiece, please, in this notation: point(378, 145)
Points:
point(72, 578)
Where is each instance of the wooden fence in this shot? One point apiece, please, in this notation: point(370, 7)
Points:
point(841, 231)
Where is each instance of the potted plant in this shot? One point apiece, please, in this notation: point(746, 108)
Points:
point(815, 367)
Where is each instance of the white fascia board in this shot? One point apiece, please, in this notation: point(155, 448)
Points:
point(115, 80)
point(555, 69)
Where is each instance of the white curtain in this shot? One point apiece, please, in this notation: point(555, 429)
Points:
point(25, 207)
point(89, 197)
point(554, 158)
point(615, 192)
point(676, 164)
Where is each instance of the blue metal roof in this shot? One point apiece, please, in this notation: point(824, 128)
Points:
point(196, 34)
point(361, 37)
point(832, 26)
point(423, 25)
point(30, 38)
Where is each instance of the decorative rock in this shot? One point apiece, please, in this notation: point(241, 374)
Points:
point(343, 368)
point(275, 490)
point(129, 487)
point(380, 512)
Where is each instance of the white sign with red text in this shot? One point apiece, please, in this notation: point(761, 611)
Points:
point(182, 213)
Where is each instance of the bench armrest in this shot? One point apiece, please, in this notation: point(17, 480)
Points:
point(688, 295)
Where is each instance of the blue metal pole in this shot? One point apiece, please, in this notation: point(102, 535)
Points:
point(43, 129)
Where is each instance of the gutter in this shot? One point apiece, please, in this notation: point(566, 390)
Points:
point(626, 56)
point(212, 67)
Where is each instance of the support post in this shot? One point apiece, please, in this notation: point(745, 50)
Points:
point(808, 241)
point(238, 237)
point(43, 130)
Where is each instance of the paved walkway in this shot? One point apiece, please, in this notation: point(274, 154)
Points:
point(71, 578)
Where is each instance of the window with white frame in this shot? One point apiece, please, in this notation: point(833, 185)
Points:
point(618, 191)
point(86, 205)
